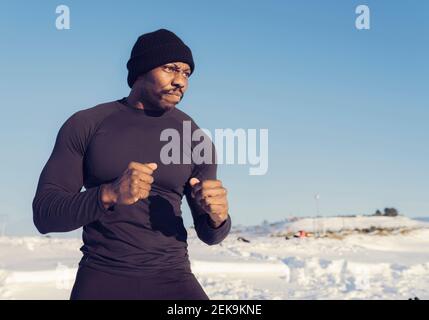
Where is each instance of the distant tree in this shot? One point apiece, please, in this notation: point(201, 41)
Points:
point(390, 212)
point(378, 213)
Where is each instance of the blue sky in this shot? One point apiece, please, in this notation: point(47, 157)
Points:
point(347, 110)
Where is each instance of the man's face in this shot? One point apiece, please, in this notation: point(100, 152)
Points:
point(164, 86)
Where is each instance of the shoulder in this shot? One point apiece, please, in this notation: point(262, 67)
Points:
point(82, 124)
point(181, 116)
point(90, 118)
point(201, 137)
point(97, 113)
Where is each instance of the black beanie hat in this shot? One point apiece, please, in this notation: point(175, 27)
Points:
point(154, 49)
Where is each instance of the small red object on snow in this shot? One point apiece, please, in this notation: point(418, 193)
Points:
point(300, 234)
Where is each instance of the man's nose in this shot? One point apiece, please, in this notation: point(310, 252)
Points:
point(179, 81)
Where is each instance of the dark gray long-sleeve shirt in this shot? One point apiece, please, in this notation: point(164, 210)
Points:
point(94, 146)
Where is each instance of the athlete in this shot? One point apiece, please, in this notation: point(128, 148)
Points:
point(134, 239)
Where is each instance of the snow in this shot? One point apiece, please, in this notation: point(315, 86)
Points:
point(352, 259)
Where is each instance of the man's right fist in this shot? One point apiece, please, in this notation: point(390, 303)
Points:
point(134, 184)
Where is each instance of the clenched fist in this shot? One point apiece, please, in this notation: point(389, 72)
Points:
point(134, 184)
point(211, 196)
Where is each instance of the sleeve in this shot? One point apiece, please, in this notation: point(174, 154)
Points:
point(59, 205)
point(205, 232)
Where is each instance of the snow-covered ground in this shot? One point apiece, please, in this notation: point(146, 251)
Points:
point(355, 260)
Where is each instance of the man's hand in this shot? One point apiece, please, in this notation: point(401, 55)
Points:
point(134, 184)
point(211, 196)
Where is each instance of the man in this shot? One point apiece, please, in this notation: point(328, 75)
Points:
point(135, 243)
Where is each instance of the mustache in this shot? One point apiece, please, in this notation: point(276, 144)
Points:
point(176, 92)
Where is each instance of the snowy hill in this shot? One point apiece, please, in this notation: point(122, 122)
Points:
point(358, 266)
point(345, 224)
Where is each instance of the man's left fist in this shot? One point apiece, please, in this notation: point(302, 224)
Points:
point(211, 196)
